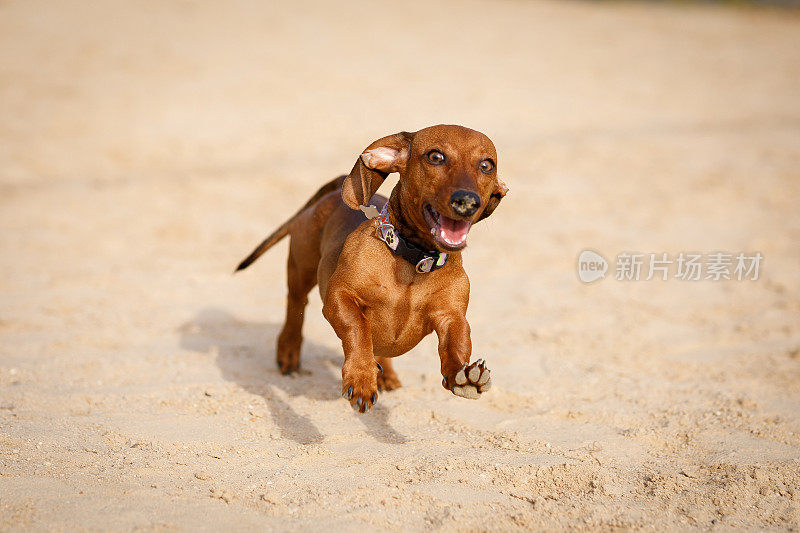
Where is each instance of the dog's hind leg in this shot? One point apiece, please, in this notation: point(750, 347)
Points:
point(304, 257)
point(301, 275)
point(301, 279)
point(387, 380)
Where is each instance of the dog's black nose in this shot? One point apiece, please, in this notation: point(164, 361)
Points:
point(465, 203)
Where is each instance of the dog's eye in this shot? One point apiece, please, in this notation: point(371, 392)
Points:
point(436, 157)
point(487, 166)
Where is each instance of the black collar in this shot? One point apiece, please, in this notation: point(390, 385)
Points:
point(423, 260)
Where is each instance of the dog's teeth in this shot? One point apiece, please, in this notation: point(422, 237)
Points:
point(474, 373)
point(485, 377)
point(461, 378)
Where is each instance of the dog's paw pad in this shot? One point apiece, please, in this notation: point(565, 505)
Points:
point(467, 391)
point(471, 381)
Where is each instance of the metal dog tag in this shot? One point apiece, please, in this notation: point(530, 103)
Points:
point(424, 266)
point(387, 235)
point(370, 211)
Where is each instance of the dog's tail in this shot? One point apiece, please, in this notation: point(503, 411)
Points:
point(283, 230)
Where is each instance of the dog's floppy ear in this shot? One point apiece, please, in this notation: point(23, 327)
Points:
point(494, 199)
point(380, 159)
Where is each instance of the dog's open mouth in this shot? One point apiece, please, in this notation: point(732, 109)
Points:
point(448, 232)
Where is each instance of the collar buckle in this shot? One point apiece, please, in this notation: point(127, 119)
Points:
point(424, 262)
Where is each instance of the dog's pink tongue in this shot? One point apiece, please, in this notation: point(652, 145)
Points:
point(454, 231)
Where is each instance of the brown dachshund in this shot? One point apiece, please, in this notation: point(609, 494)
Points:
point(389, 281)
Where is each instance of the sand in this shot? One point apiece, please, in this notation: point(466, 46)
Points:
point(146, 147)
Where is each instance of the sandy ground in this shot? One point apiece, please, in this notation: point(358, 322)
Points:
point(145, 147)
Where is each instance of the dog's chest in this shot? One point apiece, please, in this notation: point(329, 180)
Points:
point(398, 310)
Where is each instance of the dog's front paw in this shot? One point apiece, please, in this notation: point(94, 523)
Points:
point(470, 381)
point(360, 390)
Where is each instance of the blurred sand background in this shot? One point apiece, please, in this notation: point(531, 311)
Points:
point(146, 147)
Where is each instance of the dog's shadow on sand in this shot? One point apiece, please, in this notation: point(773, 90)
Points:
point(245, 353)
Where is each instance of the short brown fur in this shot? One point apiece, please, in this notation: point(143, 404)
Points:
point(378, 304)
